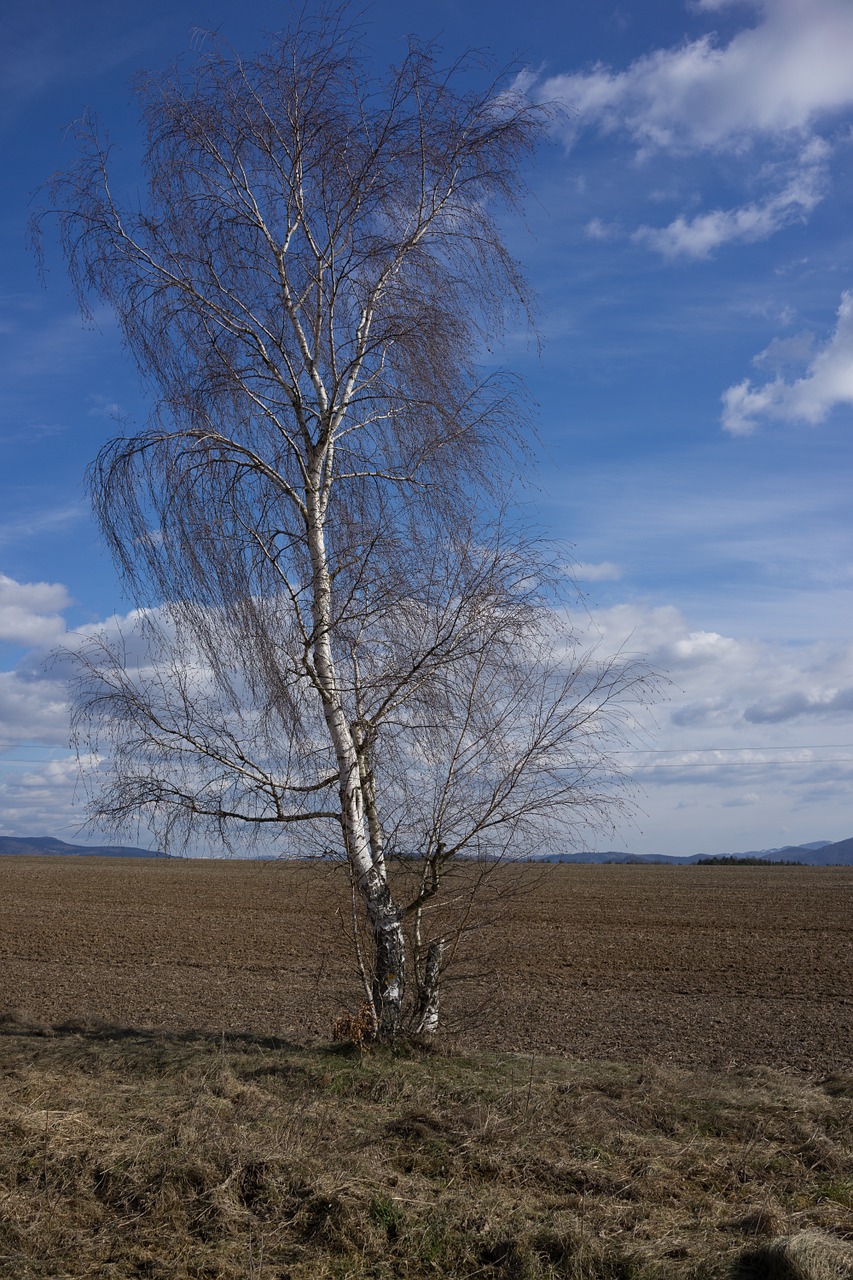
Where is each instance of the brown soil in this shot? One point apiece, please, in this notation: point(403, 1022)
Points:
point(696, 966)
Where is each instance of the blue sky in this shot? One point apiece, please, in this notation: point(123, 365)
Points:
point(689, 235)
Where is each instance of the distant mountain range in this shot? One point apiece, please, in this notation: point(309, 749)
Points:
point(47, 845)
point(820, 853)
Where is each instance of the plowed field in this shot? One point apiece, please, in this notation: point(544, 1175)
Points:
point(716, 966)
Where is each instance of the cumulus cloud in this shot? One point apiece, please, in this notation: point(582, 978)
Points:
point(42, 799)
point(663, 634)
point(777, 77)
point(703, 711)
point(39, 775)
point(765, 93)
point(794, 706)
point(750, 749)
point(32, 710)
point(33, 695)
point(595, 229)
point(700, 236)
point(826, 383)
point(728, 684)
point(737, 723)
point(604, 571)
point(30, 612)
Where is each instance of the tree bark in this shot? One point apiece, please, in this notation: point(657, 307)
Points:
point(428, 998)
point(369, 872)
point(389, 972)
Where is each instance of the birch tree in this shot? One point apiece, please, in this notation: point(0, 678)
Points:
point(351, 645)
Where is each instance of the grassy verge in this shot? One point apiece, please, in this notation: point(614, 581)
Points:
point(128, 1154)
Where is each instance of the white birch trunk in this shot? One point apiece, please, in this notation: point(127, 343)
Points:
point(427, 1019)
point(368, 874)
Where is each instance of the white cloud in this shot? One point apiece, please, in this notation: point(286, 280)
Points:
point(34, 695)
point(35, 798)
point(740, 802)
point(826, 383)
point(763, 95)
point(727, 685)
point(660, 632)
point(778, 77)
point(595, 229)
point(34, 701)
point(102, 407)
point(733, 737)
point(40, 791)
point(42, 799)
point(30, 612)
point(605, 571)
point(700, 236)
point(795, 706)
point(781, 353)
point(32, 711)
point(752, 747)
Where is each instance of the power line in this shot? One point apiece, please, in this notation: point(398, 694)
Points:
point(32, 759)
point(627, 751)
point(740, 764)
point(807, 746)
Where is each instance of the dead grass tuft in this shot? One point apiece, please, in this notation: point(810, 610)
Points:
point(766, 1220)
point(808, 1255)
point(358, 1029)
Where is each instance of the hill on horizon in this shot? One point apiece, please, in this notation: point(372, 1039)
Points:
point(818, 853)
point(49, 846)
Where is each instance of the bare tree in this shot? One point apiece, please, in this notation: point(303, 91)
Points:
point(346, 633)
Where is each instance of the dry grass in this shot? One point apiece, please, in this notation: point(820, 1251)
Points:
point(808, 1255)
point(128, 1154)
